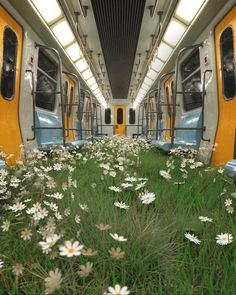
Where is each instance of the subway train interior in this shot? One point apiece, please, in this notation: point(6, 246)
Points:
point(117, 147)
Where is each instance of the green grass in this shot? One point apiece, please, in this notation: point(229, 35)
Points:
point(158, 258)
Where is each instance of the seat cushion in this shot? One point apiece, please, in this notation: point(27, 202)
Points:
point(230, 169)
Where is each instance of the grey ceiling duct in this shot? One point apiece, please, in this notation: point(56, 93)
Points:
point(118, 23)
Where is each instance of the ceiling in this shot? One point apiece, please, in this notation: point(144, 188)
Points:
point(118, 23)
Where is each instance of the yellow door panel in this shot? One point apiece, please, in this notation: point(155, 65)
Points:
point(168, 101)
point(120, 121)
point(69, 112)
point(11, 34)
point(225, 44)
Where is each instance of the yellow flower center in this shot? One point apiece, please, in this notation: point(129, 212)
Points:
point(71, 250)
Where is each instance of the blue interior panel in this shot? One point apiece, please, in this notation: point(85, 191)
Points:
point(230, 169)
point(48, 137)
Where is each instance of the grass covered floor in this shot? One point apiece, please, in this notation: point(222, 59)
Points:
point(117, 212)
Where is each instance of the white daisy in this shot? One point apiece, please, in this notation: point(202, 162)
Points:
point(118, 238)
point(71, 249)
point(17, 207)
point(115, 189)
point(192, 238)
point(205, 219)
point(49, 243)
point(53, 281)
point(18, 269)
point(118, 290)
point(126, 184)
point(230, 209)
point(1, 264)
point(228, 202)
point(224, 239)
point(5, 225)
point(121, 205)
point(165, 175)
point(147, 197)
point(26, 234)
point(131, 179)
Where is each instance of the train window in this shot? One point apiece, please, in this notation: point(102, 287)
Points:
point(131, 116)
point(107, 116)
point(120, 116)
point(227, 63)
point(46, 82)
point(69, 107)
point(191, 82)
point(10, 44)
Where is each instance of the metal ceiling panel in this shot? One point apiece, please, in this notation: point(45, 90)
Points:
point(118, 23)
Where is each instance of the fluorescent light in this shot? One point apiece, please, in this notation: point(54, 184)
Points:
point(142, 91)
point(94, 87)
point(148, 81)
point(81, 65)
point(96, 91)
point(63, 33)
point(87, 74)
point(49, 10)
point(74, 51)
point(187, 9)
point(174, 32)
point(91, 81)
point(152, 74)
point(164, 51)
point(145, 87)
point(156, 65)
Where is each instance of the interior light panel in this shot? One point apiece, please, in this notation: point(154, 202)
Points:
point(174, 32)
point(187, 9)
point(63, 33)
point(74, 51)
point(164, 51)
point(49, 10)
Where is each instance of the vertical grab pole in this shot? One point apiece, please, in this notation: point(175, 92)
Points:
point(34, 106)
point(138, 120)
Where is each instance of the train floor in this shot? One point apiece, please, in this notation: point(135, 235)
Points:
point(116, 217)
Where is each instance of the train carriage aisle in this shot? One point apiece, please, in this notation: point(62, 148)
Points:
point(118, 147)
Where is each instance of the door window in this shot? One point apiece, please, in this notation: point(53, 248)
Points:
point(119, 116)
point(228, 63)
point(10, 44)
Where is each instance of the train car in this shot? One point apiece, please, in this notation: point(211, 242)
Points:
point(187, 90)
point(117, 147)
point(41, 89)
point(196, 84)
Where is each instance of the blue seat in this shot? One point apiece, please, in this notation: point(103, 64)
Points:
point(230, 169)
point(184, 138)
point(2, 164)
point(47, 138)
point(75, 144)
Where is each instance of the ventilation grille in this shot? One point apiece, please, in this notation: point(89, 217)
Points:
point(118, 23)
